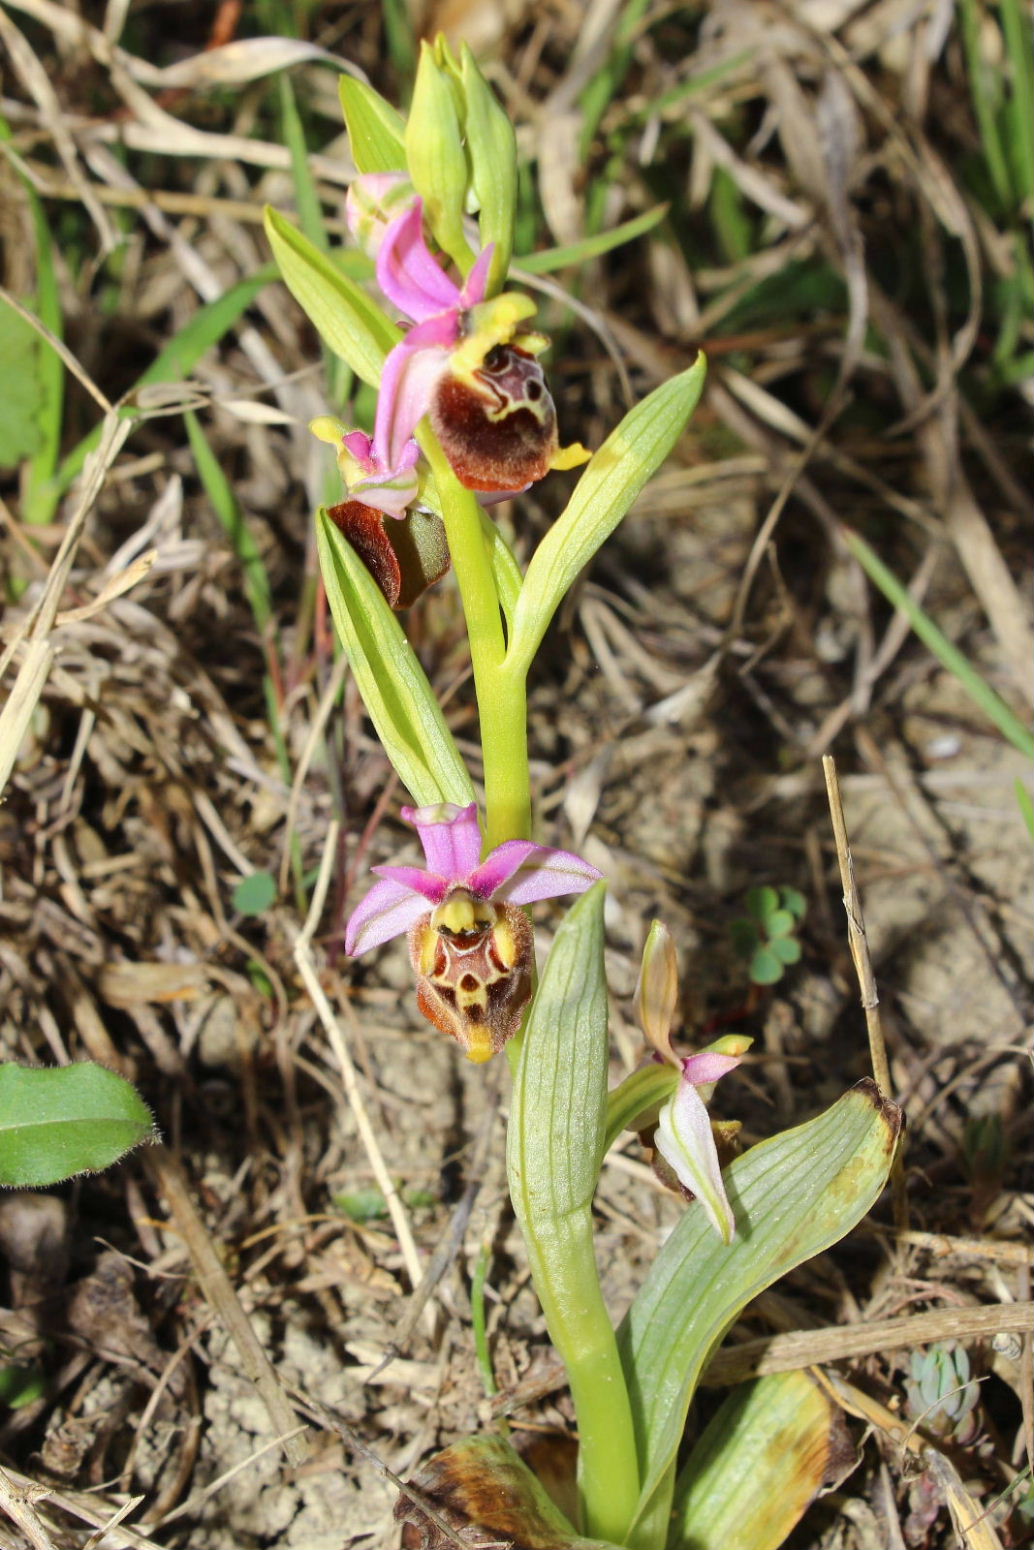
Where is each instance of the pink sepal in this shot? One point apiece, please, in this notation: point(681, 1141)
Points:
point(519, 872)
point(387, 910)
point(451, 837)
point(407, 271)
point(417, 880)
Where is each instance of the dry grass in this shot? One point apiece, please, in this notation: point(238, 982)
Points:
point(830, 244)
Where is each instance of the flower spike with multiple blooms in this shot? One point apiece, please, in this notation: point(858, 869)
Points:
point(472, 951)
point(469, 364)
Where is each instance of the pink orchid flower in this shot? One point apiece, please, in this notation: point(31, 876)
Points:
point(514, 873)
point(469, 364)
point(473, 951)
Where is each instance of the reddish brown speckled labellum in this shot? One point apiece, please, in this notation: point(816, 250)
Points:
point(473, 963)
point(497, 424)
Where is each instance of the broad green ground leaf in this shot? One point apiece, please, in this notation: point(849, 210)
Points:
point(554, 1152)
point(792, 1197)
point(344, 316)
point(610, 483)
point(21, 424)
point(60, 1121)
point(376, 132)
point(398, 698)
point(760, 1462)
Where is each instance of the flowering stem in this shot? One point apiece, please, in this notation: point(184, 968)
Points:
point(501, 693)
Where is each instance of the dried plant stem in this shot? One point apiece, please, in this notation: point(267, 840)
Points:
point(350, 1081)
point(219, 1291)
point(863, 969)
point(16, 1502)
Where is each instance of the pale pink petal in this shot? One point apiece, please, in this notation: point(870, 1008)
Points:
point(451, 837)
point(392, 495)
point(476, 283)
point(360, 446)
point(684, 1139)
point(519, 872)
point(408, 273)
point(708, 1067)
point(388, 909)
point(407, 383)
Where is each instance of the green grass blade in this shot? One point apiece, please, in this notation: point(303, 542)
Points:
point(949, 656)
point(550, 259)
point(1016, 25)
point(310, 211)
point(175, 361)
point(985, 91)
point(242, 540)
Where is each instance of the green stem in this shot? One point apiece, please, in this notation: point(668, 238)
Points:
point(564, 1272)
point(501, 692)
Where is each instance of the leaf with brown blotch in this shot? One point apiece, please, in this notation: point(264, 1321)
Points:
point(480, 1493)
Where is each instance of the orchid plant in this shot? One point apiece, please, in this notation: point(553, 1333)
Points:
point(465, 418)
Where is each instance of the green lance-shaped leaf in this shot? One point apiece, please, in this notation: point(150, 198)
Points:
point(761, 1461)
point(492, 149)
point(58, 1122)
point(376, 132)
point(400, 701)
point(792, 1197)
point(554, 1152)
point(341, 312)
point(612, 479)
point(435, 156)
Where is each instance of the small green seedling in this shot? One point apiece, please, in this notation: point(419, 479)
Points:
point(767, 940)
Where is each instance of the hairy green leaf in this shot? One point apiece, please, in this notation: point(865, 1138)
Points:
point(400, 701)
point(60, 1121)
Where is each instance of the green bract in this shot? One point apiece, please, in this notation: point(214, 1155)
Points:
point(492, 152)
point(341, 311)
point(435, 155)
point(376, 132)
point(611, 481)
point(394, 687)
point(56, 1122)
